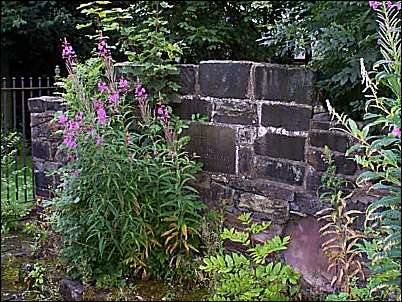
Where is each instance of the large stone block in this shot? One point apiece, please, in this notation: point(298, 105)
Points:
point(187, 108)
point(246, 161)
point(224, 79)
point(276, 210)
point(288, 117)
point(284, 83)
point(280, 146)
point(188, 78)
point(335, 140)
point(343, 165)
point(40, 149)
point(235, 112)
point(270, 189)
point(215, 145)
point(287, 172)
point(306, 203)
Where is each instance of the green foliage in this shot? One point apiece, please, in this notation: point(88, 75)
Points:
point(378, 151)
point(11, 210)
point(236, 277)
point(126, 204)
point(335, 35)
point(36, 278)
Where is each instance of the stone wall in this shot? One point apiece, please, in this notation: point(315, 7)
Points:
point(263, 137)
point(45, 156)
point(260, 140)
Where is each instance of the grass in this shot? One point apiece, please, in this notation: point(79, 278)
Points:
point(11, 183)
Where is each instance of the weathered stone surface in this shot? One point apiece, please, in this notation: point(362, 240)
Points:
point(40, 149)
point(221, 194)
point(71, 290)
point(287, 172)
point(275, 209)
point(343, 165)
point(336, 141)
point(41, 180)
point(186, 108)
point(188, 78)
point(306, 203)
point(313, 179)
point(286, 83)
point(235, 112)
point(264, 187)
point(280, 146)
point(224, 79)
point(305, 255)
point(246, 161)
point(43, 103)
point(246, 136)
point(288, 117)
point(215, 145)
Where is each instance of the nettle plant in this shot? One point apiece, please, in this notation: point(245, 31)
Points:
point(378, 151)
point(236, 277)
point(125, 204)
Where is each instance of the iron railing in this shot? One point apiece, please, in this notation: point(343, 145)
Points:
point(17, 177)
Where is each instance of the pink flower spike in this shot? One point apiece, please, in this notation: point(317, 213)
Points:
point(396, 132)
point(388, 4)
point(113, 98)
point(123, 84)
point(102, 86)
point(101, 115)
point(398, 5)
point(374, 4)
point(63, 119)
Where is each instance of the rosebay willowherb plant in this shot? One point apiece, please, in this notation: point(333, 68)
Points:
point(379, 153)
point(125, 203)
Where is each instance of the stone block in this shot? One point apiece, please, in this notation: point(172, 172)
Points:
point(343, 165)
point(235, 112)
point(188, 78)
point(246, 136)
point(36, 105)
point(288, 117)
point(42, 181)
point(221, 194)
point(313, 179)
point(224, 79)
point(245, 161)
point(215, 146)
point(280, 146)
point(40, 149)
point(290, 173)
point(264, 187)
point(186, 108)
point(274, 209)
point(284, 83)
point(335, 140)
point(307, 203)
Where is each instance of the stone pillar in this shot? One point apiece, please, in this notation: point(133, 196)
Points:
point(45, 156)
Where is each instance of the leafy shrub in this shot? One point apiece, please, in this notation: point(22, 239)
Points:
point(236, 277)
point(125, 205)
point(11, 210)
point(334, 35)
point(378, 151)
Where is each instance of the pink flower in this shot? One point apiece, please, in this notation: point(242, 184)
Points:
point(102, 86)
point(97, 104)
point(113, 98)
point(70, 142)
point(63, 119)
point(162, 113)
point(396, 132)
point(68, 51)
point(101, 115)
point(139, 90)
point(73, 125)
point(123, 84)
point(398, 5)
point(388, 4)
point(79, 116)
point(103, 47)
point(374, 4)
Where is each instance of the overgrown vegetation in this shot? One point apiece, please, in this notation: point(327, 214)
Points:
point(126, 206)
point(236, 277)
point(378, 151)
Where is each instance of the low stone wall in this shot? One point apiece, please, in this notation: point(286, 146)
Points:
point(262, 141)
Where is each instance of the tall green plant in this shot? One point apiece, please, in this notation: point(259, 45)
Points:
point(125, 203)
point(378, 151)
